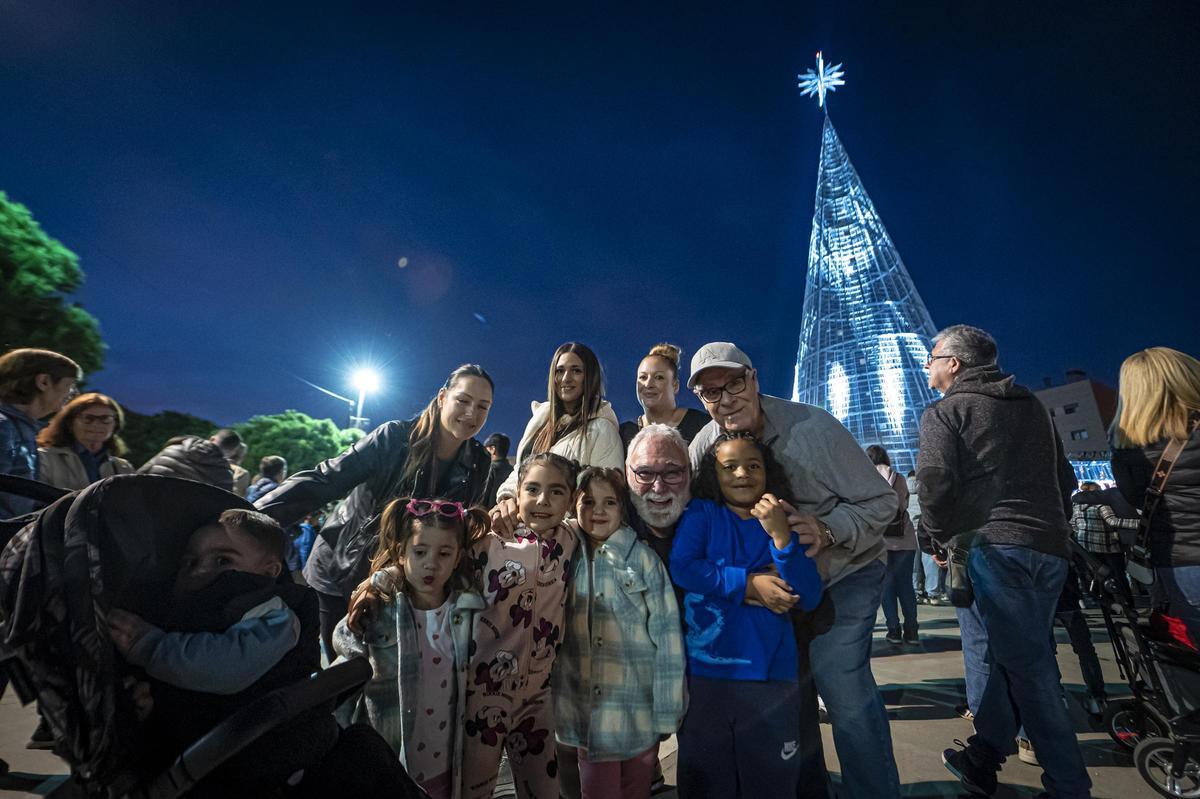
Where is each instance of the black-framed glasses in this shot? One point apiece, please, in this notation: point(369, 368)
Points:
point(671, 476)
point(929, 361)
point(713, 393)
point(94, 418)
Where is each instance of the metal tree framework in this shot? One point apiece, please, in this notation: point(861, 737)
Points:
point(865, 332)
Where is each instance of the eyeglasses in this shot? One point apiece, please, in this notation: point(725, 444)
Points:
point(647, 477)
point(713, 393)
point(424, 507)
point(104, 419)
point(929, 361)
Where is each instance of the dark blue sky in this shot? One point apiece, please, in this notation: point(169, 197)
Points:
point(240, 182)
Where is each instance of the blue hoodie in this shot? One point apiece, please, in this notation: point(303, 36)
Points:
point(713, 553)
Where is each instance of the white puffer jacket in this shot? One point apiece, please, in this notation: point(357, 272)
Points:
point(598, 444)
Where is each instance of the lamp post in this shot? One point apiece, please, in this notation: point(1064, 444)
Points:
point(365, 380)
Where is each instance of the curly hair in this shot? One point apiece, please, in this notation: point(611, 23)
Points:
point(396, 529)
point(706, 485)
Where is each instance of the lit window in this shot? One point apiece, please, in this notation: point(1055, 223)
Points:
point(1079, 435)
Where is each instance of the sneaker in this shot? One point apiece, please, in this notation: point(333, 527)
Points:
point(976, 779)
point(893, 637)
point(822, 711)
point(940, 601)
point(911, 637)
point(1025, 752)
point(1095, 706)
point(42, 738)
point(922, 599)
point(964, 712)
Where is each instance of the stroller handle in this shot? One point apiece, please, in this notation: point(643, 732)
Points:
point(1095, 566)
point(30, 489)
point(254, 721)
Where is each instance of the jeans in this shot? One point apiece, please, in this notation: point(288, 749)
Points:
point(935, 576)
point(974, 649)
point(1016, 593)
point(841, 665)
point(1181, 585)
point(896, 588)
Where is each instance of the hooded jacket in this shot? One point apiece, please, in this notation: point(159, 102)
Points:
point(990, 461)
point(1175, 526)
point(194, 458)
point(597, 444)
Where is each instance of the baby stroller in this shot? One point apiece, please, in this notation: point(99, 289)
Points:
point(60, 571)
point(1160, 723)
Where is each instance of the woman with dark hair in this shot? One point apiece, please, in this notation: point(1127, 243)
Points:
point(33, 385)
point(82, 443)
point(575, 421)
point(434, 454)
point(900, 541)
point(657, 385)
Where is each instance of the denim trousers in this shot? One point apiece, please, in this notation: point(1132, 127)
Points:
point(1016, 594)
point(1181, 585)
point(896, 589)
point(841, 665)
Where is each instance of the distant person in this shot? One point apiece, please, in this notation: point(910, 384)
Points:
point(234, 450)
point(900, 541)
point(192, 458)
point(994, 476)
point(657, 387)
point(1160, 406)
point(575, 422)
point(82, 443)
point(272, 471)
point(841, 506)
point(33, 385)
point(497, 445)
point(432, 455)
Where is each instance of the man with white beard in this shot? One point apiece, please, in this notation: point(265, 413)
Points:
point(659, 474)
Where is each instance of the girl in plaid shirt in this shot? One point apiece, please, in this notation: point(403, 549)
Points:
point(618, 683)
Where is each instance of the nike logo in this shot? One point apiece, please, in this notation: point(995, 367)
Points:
point(789, 750)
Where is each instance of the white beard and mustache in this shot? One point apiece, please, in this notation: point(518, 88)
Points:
point(660, 516)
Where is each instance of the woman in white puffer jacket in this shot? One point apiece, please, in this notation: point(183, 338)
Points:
point(575, 421)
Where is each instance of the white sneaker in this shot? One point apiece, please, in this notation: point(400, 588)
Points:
point(1025, 752)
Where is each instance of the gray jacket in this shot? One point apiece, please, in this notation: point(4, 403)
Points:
point(829, 476)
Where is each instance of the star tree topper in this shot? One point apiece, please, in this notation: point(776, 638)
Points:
point(824, 78)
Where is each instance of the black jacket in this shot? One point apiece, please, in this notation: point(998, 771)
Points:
point(498, 472)
point(192, 459)
point(368, 476)
point(1175, 527)
point(990, 461)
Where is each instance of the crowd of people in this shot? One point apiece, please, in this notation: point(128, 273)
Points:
point(717, 576)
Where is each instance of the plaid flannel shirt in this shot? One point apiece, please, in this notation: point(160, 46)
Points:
point(618, 684)
point(1096, 527)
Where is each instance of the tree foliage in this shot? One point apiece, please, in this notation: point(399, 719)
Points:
point(302, 440)
point(36, 274)
point(146, 435)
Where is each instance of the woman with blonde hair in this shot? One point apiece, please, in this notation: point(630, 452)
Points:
point(82, 443)
point(657, 385)
point(1160, 403)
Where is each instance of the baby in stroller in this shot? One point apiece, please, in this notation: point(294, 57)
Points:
point(231, 631)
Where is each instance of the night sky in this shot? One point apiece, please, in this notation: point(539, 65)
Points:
point(240, 182)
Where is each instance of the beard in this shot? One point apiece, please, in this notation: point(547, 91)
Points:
point(661, 517)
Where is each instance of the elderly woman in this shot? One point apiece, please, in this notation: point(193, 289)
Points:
point(81, 444)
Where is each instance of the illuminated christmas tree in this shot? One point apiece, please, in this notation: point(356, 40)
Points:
point(865, 333)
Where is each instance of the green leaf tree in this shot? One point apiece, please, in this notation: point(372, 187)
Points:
point(302, 440)
point(145, 434)
point(36, 275)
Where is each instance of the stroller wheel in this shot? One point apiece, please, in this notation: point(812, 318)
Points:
point(1154, 758)
point(1129, 722)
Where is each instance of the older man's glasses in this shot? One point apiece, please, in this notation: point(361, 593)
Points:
point(713, 393)
point(929, 361)
point(648, 477)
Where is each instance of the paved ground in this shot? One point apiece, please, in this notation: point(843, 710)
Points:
point(921, 685)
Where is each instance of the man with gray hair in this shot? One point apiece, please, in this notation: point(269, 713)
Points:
point(993, 476)
point(841, 507)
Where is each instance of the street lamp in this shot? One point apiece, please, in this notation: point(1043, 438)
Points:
point(365, 380)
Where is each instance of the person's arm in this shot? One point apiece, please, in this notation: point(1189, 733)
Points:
point(691, 569)
point(1132, 470)
point(334, 478)
point(379, 645)
point(1067, 482)
point(799, 571)
point(606, 450)
point(218, 663)
point(864, 502)
point(667, 636)
point(937, 468)
point(1115, 522)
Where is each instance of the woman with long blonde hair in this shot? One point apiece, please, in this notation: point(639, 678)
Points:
point(1159, 402)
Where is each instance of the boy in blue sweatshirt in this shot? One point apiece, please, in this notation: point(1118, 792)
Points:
point(742, 655)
